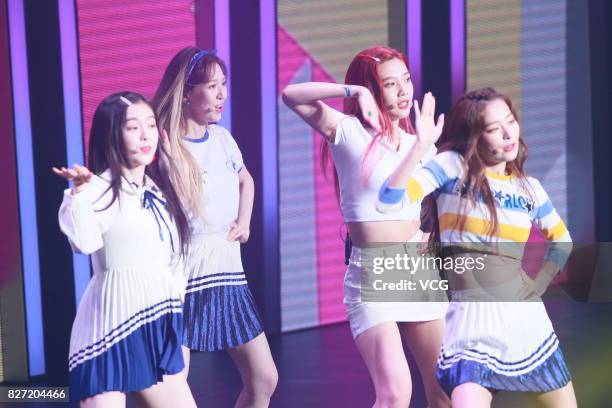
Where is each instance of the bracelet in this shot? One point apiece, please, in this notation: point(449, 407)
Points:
point(347, 91)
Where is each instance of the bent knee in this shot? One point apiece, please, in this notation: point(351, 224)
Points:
point(395, 394)
point(270, 381)
point(264, 383)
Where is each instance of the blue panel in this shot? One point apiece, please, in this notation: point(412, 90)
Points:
point(73, 119)
point(26, 188)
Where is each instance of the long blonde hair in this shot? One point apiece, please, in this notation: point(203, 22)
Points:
point(189, 67)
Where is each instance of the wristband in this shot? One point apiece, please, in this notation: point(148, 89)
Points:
point(347, 91)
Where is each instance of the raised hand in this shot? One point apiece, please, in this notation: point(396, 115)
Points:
point(427, 131)
point(368, 107)
point(79, 175)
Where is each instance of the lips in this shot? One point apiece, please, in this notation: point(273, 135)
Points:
point(509, 148)
point(145, 149)
point(404, 105)
point(219, 109)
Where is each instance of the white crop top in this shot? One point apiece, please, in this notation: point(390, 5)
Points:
point(359, 193)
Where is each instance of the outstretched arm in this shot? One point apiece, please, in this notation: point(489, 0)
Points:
point(306, 99)
point(82, 224)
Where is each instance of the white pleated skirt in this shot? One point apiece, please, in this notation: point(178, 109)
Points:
point(127, 331)
point(505, 346)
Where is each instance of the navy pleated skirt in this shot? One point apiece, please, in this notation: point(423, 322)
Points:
point(219, 311)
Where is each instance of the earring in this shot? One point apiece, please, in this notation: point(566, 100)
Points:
point(186, 102)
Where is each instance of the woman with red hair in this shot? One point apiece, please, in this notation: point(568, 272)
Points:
point(367, 142)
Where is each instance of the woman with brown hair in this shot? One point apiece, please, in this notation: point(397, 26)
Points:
point(498, 334)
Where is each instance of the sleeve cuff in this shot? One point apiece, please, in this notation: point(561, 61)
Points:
point(388, 195)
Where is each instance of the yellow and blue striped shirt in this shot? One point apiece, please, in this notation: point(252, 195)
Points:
point(520, 203)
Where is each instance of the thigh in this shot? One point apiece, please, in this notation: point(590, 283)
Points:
point(112, 399)
point(424, 340)
point(471, 395)
point(187, 359)
point(253, 357)
point(382, 351)
point(561, 398)
point(173, 391)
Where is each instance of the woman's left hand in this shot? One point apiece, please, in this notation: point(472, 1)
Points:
point(532, 288)
point(238, 232)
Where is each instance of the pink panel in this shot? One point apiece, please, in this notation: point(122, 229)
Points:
point(292, 55)
point(127, 45)
point(330, 248)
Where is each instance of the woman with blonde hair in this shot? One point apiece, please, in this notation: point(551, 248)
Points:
point(208, 172)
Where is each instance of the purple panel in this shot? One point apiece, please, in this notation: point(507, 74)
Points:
point(457, 41)
point(413, 41)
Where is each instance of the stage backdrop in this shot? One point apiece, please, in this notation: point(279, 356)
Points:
point(127, 45)
point(519, 47)
point(316, 42)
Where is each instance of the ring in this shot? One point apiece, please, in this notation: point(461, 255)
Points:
point(369, 113)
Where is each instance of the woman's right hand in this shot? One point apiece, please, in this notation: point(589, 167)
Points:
point(79, 175)
point(368, 106)
point(427, 131)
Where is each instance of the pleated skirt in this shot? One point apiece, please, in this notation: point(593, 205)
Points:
point(127, 332)
point(503, 346)
point(219, 311)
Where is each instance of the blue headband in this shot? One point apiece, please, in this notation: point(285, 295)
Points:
point(194, 60)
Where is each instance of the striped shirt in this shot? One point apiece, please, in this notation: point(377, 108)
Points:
point(520, 203)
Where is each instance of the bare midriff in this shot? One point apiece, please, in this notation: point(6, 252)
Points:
point(368, 232)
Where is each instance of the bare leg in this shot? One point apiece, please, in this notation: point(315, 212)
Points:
point(562, 398)
point(381, 349)
point(257, 370)
point(173, 392)
point(186, 359)
point(471, 395)
point(112, 399)
point(425, 340)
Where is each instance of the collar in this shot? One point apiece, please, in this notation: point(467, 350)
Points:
point(132, 188)
point(201, 139)
point(496, 176)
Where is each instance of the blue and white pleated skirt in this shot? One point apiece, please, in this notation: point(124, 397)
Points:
point(127, 332)
point(220, 311)
point(503, 346)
